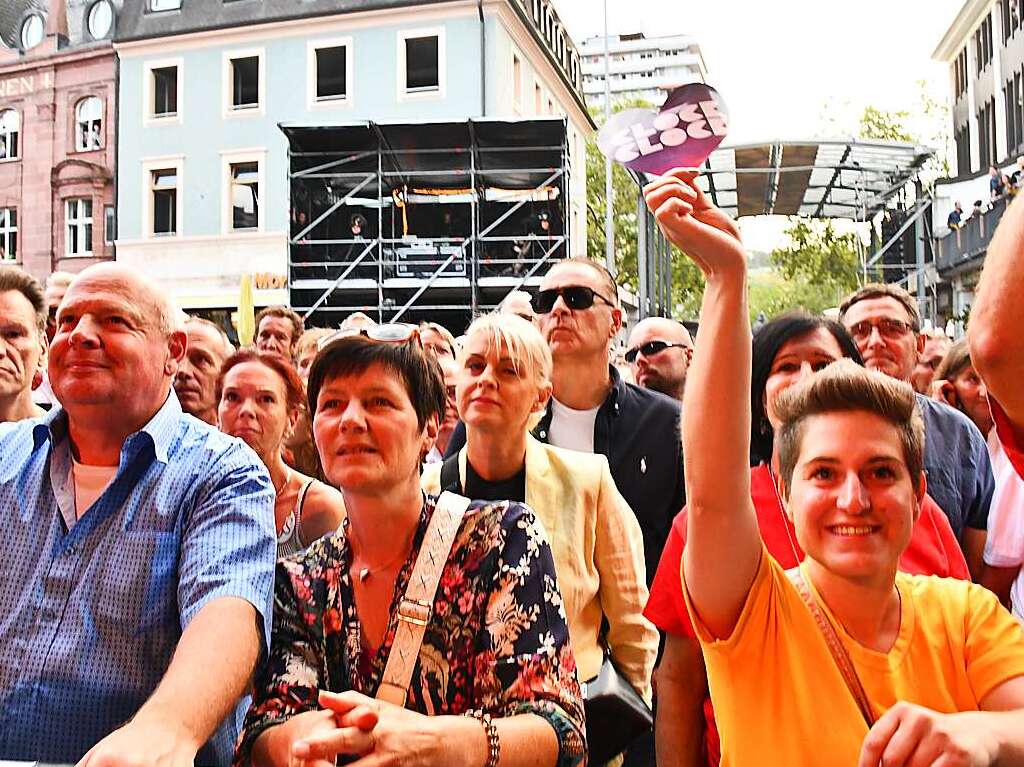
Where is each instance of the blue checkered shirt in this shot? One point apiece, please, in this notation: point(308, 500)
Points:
point(89, 617)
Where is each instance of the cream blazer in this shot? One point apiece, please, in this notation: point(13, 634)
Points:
point(598, 551)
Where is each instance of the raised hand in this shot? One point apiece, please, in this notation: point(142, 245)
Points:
point(686, 217)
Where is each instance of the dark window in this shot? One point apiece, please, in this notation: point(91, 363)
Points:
point(331, 73)
point(245, 82)
point(963, 151)
point(165, 91)
point(421, 65)
point(987, 134)
point(165, 201)
point(109, 225)
point(245, 193)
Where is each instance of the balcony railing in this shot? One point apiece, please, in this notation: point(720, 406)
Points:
point(964, 245)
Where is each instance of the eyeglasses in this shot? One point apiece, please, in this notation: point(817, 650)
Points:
point(887, 328)
point(388, 333)
point(651, 348)
point(576, 297)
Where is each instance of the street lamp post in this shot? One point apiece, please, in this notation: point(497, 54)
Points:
point(609, 198)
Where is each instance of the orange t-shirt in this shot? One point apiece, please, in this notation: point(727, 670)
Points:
point(780, 699)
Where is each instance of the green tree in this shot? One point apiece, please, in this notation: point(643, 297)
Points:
point(884, 126)
point(816, 269)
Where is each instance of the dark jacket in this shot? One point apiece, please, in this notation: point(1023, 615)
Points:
point(638, 430)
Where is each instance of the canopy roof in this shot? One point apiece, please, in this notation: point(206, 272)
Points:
point(520, 154)
point(840, 178)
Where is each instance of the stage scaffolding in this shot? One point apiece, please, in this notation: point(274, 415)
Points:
point(436, 221)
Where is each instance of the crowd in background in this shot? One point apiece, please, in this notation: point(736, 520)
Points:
point(385, 544)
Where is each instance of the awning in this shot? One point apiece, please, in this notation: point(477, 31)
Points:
point(840, 178)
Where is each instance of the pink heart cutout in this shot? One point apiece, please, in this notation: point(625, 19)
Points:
point(690, 125)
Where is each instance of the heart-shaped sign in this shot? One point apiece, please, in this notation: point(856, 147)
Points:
point(690, 125)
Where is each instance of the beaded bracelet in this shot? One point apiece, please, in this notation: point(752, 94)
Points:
point(491, 731)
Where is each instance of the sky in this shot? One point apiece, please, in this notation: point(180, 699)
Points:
point(793, 68)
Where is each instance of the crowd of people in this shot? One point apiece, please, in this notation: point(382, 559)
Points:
point(382, 544)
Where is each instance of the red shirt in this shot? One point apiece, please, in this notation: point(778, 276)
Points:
point(1011, 438)
point(933, 550)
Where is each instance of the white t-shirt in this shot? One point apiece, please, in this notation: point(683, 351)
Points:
point(1004, 546)
point(572, 429)
point(90, 482)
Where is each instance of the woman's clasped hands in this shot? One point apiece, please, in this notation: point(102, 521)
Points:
point(370, 732)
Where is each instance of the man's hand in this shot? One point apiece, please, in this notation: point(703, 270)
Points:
point(913, 736)
point(693, 224)
point(144, 742)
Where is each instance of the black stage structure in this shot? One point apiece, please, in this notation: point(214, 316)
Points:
point(409, 221)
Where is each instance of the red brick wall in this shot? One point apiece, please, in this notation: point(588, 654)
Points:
point(45, 91)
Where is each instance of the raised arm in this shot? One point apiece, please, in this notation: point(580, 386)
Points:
point(997, 316)
point(721, 525)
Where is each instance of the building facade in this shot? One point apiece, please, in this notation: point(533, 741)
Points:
point(58, 105)
point(984, 50)
point(203, 195)
point(640, 67)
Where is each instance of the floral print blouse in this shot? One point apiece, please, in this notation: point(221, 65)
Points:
point(497, 638)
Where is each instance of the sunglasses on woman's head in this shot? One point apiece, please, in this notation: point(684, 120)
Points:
point(388, 333)
point(576, 297)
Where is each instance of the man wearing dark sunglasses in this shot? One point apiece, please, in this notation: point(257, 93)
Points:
point(659, 353)
point(594, 410)
point(886, 326)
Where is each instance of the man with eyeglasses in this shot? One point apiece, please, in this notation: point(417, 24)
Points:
point(659, 353)
point(885, 323)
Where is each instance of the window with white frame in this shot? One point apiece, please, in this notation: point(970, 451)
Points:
point(8, 234)
point(88, 124)
point(10, 129)
point(78, 227)
point(163, 185)
point(422, 69)
point(331, 73)
point(244, 72)
point(245, 195)
point(165, 91)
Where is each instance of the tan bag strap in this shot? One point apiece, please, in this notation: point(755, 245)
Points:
point(835, 645)
point(417, 604)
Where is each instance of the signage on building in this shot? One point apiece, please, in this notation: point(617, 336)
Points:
point(269, 281)
point(25, 85)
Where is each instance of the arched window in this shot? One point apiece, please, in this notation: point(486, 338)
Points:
point(10, 128)
point(88, 124)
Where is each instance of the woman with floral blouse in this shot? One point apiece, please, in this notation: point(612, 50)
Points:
point(496, 640)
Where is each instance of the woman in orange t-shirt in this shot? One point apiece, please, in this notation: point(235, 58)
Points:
point(841, 660)
point(785, 351)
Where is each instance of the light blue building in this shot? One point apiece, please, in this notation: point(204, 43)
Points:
point(202, 165)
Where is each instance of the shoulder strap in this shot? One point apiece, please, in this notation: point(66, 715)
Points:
point(835, 645)
point(450, 474)
point(416, 607)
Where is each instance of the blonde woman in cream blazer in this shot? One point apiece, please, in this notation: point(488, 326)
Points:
point(502, 387)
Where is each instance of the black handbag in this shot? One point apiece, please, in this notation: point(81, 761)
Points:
point(616, 714)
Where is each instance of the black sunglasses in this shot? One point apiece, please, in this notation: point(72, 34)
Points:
point(575, 297)
point(651, 348)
